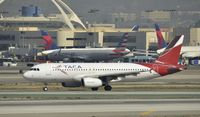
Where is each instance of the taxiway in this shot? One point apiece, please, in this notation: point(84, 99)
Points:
point(102, 108)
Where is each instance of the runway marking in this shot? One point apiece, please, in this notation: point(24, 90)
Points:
point(146, 113)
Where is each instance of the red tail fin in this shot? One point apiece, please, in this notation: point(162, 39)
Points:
point(171, 55)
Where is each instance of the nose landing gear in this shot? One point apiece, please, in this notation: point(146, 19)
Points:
point(45, 88)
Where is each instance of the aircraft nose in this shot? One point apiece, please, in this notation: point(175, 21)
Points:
point(127, 51)
point(27, 75)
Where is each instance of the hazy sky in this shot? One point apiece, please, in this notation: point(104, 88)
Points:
point(82, 7)
point(105, 7)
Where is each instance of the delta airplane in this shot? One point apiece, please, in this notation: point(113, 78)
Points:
point(95, 75)
point(83, 54)
point(186, 51)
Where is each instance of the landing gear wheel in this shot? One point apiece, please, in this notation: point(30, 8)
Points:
point(45, 89)
point(108, 88)
point(95, 89)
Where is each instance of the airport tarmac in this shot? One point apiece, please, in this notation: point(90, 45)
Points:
point(101, 108)
point(83, 103)
point(89, 95)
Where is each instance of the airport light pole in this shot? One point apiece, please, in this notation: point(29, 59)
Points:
point(22, 38)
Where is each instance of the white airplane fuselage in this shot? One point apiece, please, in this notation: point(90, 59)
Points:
point(64, 72)
point(87, 54)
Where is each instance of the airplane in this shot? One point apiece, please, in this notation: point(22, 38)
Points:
point(83, 54)
point(186, 51)
point(95, 75)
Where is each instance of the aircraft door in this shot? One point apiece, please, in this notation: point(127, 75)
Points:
point(48, 71)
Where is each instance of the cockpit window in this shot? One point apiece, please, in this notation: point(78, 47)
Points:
point(35, 69)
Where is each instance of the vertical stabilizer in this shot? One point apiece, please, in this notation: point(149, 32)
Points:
point(135, 28)
point(161, 41)
point(123, 41)
point(172, 53)
point(49, 44)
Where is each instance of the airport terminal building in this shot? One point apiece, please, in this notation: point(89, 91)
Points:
point(68, 31)
point(69, 39)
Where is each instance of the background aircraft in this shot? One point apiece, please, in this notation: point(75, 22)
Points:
point(95, 75)
point(186, 51)
point(83, 54)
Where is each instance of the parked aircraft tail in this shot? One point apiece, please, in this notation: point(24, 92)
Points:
point(49, 44)
point(161, 41)
point(135, 27)
point(123, 41)
point(172, 52)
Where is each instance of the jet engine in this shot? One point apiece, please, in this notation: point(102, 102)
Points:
point(91, 82)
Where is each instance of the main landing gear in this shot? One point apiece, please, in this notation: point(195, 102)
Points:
point(106, 88)
point(95, 89)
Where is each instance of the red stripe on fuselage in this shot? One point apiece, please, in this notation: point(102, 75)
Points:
point(119, 50)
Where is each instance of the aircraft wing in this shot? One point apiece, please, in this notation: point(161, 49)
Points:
point(83, 58)
point(110, 76)
point(120, 74)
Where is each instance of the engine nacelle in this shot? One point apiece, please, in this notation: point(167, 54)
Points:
point(91, 82)
point(71, 84)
